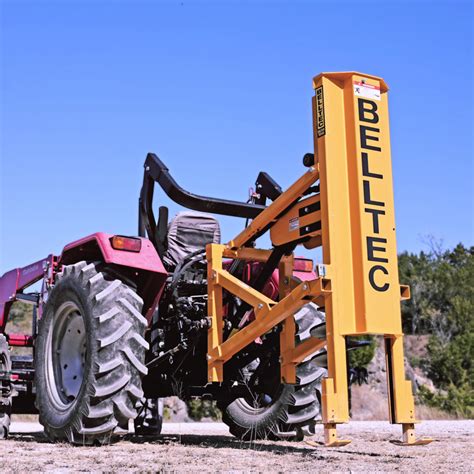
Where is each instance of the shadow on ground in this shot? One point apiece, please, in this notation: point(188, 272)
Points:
point(222, 442)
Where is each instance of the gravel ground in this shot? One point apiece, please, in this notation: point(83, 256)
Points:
point(208, 447)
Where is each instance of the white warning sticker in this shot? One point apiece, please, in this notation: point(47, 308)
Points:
point(294, 223)
point(366, 90)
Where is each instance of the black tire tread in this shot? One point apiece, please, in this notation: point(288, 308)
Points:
point(5, 398)
point(299, 403)
point(114, 383)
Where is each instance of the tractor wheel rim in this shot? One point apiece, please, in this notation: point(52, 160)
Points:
point(66, 355)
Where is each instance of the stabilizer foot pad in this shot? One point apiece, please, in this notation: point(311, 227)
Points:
point(330, 437)
point(334, 444)
point(409, 437)
point(417, 442)
point(337, 443)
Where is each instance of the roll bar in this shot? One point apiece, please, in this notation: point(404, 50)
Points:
point(156, 171)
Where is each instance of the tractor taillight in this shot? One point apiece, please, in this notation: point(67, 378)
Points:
point(129, 244)
point(303, 265)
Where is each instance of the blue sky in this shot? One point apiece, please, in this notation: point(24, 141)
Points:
point(219, 91)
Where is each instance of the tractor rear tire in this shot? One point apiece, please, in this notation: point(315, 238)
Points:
point(294, 409)
point(90, 355)
point(5, 388)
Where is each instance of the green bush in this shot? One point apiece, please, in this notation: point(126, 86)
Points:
point(456, 400)
point(442, 305)
point(199, 409)
point(361, 358)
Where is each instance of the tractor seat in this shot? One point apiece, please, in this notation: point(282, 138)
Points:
point(188, 232)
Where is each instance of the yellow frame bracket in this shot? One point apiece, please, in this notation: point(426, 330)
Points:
point(352, 218)
point(268, 313)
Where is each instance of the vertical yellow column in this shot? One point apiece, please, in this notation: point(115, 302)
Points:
point(330, 152)
point(352, 149)
point(401, 402)
point(287, 335)
point(215, 310)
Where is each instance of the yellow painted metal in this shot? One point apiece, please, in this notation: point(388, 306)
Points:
point(215, 308)
point(356, 189)
point(409, 438)
point(247, 253)
point(401, 402)
point(267, 316)
point(256, 299)
point(352, 146)
point(360, 290)
point(405, 292)
point(330, 437)
point(269, 215)
point(305, 349)
point(304, 218)
point(313, 242)
point(287, 335)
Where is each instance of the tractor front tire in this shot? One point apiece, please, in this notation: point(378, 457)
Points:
point(90, 354)
point(5, 388)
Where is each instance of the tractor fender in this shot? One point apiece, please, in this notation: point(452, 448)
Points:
point(146, 259)
point(144, 267)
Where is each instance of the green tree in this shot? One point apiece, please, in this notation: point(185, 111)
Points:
point(361, 357)
point(442, 305)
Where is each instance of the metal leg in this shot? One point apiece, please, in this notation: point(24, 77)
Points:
point(335, 394)
point(215, 333)
point(401, 403)
point(287, 335)
point(330, 436)
point(409, 437)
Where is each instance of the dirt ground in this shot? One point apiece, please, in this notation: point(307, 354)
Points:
point(207, 447)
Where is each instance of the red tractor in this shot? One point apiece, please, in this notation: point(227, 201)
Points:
point(121, 322)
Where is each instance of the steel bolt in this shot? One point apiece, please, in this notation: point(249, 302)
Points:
point(260, 306)
point(305, 286)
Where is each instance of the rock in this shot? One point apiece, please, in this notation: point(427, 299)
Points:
point(176, 410)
